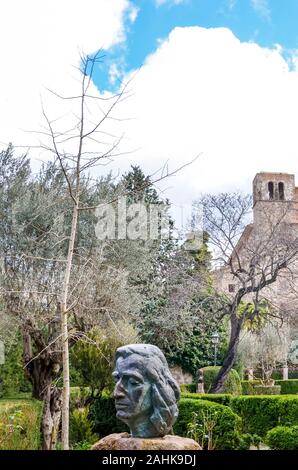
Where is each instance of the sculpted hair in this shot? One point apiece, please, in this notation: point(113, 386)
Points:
point(165, 390)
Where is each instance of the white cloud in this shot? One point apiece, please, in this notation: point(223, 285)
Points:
point(173, 2)
point(262, 8)
point(205, 91)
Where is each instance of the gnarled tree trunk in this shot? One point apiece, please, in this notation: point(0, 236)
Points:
point(42, 370)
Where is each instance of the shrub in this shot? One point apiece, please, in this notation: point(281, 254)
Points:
point(266, 390)
point(222, 399)
point(232, 383)
point(20, 424)
point(261, 413)
point(81, 427)
point(288, 387)
point(226, 433)
point(12, 375)
point(248, 386)
point(93, 360)
point(188, 388)
point(103, 415)
point(283, 438)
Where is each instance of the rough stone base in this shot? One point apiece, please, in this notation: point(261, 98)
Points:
point(123, 441)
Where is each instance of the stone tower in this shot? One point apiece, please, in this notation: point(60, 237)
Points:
point(274, 195)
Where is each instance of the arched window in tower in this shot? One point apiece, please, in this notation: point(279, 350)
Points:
point(271, 190)
point(281, 191)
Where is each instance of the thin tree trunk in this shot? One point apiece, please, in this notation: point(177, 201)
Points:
point(64, 333)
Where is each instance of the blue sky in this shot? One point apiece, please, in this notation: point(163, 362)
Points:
point(266, 22)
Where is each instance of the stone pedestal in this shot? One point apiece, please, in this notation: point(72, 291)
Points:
point(123, 441)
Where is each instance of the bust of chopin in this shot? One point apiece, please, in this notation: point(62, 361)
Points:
point(145, 393)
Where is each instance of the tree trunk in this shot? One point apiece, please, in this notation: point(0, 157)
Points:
point(41, 372)
point(51, 417)
point(236, 326)
point(64, 331)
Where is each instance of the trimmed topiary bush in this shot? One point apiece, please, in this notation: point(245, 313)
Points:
point(226, 433)
point(188, 388)
point(232, 384)
point(248, 386)
point(262, 413)
point(288, 387)
point(266, 390)
point(222, 399)
point(283, 438)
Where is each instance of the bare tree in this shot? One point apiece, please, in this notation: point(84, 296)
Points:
point(251, 263)
point(36, 213)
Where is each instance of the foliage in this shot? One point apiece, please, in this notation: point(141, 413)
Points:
point(287, 387)
point(220, 398)
point(93, 356)
point(264, 348)
point(20, 424)
point(103, 415)
point(188, 388)
point(84, 445)
point(261, 413)
point(283, 438)
point(197, 349)
point(12, 375)
point(201, 428)
point(232, 383)
point(267, 390)
point(248, 386)
point(81, 427)
point(253, 322)
point(225, 433)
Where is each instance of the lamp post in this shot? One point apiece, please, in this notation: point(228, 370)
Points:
point(215, 341)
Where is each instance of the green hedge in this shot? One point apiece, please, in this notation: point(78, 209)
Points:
point(262, 413)
point(248, 386)
point(188, 388)
point(221, 398)
point(20, 422)
point(283, 438)
point(288, 387)
point(103, 415)
point(267, 390)
point(227, 430)
point(232, 383)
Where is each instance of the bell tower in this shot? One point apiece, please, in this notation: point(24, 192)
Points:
point(274, 194)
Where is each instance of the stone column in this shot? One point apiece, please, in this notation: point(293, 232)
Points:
point(285, 372)
point(250, 374)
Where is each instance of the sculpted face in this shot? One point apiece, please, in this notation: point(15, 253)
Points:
point(145, 392)
point(132, 390)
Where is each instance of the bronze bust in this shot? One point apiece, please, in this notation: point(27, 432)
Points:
point(145, 393)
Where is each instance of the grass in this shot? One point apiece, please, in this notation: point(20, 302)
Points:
point(20, 424)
